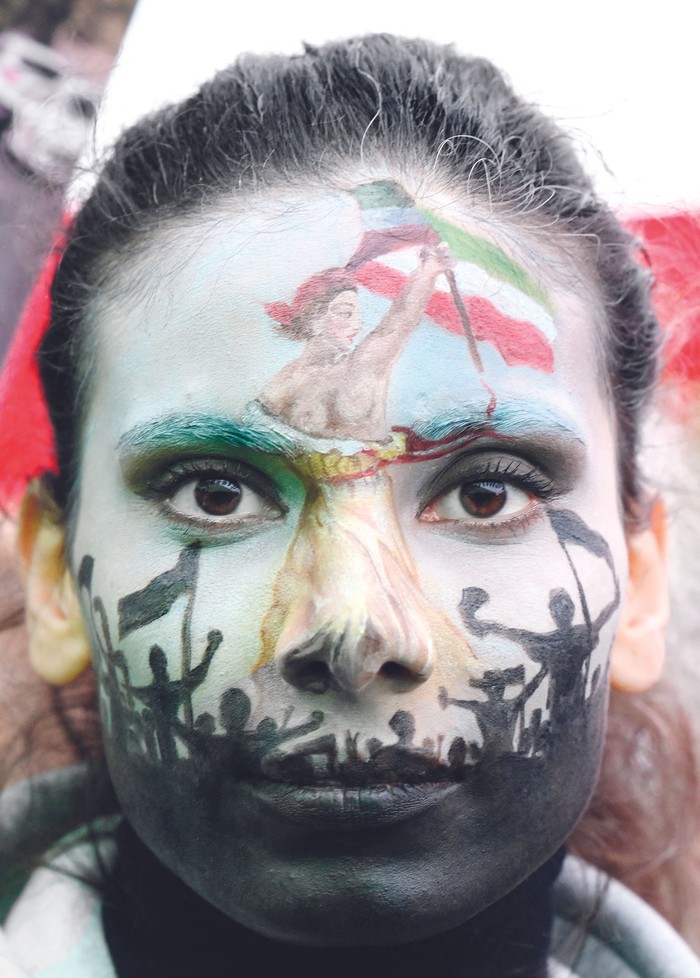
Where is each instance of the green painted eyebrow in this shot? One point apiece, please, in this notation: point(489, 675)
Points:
point(203, 432)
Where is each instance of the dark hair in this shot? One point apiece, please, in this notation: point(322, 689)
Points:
point(271, 121)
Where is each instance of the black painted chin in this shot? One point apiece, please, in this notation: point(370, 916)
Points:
point(513, 935)
point(333, 880)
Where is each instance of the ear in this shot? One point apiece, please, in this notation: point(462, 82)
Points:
point(640, 645)
point(58, 646)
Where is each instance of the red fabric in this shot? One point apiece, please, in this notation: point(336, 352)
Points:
point(671, 245)
point(382, 241)
point(26, 437)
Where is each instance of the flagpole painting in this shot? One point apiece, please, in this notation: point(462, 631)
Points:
point(409, 268)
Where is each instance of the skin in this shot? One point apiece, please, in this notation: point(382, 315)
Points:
point(326, 703)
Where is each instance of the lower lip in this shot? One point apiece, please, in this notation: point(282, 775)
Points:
point(336, 806)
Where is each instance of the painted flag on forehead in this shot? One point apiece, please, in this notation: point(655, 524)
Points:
point(506, 306)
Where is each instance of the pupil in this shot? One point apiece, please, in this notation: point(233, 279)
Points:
point(217, 497)
point(483, 498)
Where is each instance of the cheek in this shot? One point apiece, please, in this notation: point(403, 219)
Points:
point(234, 594)
point(504, 592)
point(175, 600)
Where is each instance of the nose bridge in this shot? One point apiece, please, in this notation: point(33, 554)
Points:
point(348, 603)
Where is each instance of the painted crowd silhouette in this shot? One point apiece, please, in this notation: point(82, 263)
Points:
point(155, 721)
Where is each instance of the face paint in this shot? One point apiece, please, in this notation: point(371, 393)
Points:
point(409, 267)
point(349, 548)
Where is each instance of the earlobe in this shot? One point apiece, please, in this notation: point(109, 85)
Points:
point(640, 644)
point(59, 650)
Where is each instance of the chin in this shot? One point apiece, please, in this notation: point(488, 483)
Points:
point(365, 900)
point(322, 864)
point(340, 884)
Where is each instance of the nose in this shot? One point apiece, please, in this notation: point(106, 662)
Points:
point(348, 656)
point(349, 608)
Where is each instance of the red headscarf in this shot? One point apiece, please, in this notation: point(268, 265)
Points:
point(672, 247)
point(26, 436)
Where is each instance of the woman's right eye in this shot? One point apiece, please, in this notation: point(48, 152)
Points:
point(220, 498)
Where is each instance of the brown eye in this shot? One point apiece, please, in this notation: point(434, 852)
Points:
point(218, 497)
point(475, 502)
point(483, 499)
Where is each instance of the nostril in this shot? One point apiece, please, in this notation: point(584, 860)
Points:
point(310, 676)
point(398, 675)
point(392, 670)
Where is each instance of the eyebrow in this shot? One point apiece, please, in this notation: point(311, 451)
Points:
point(514, 419)
point(206, 433)
point(203, 432)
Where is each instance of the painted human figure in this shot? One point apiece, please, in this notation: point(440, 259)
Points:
point(497, 715)
point(563, 653)
point(335, 388)
point(243, 747)
point(164, 696)
point(402, 761)
point(115, 688)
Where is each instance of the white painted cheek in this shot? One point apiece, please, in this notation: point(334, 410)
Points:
point(132, 544)
point(519, 578)
point(234, 594)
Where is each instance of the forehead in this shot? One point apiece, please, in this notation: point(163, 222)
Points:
point(199, 318)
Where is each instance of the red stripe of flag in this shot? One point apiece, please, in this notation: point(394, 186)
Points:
point(518, 341)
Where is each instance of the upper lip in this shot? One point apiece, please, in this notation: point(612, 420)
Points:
point(409, 767)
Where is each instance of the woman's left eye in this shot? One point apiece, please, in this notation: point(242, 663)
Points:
point(479, 501)
point(219, 498)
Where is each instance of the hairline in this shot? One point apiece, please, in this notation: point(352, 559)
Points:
point(132, 261)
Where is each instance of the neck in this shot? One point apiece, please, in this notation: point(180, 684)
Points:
point(155, 925)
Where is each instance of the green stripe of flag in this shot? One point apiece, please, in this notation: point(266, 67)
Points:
point(381, 193)
point(463, 246)
point(468, 247)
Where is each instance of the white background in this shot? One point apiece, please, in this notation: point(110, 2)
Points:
point(622, 74)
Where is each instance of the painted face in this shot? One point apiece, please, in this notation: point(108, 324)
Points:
point(341, 321)
point(351, 602)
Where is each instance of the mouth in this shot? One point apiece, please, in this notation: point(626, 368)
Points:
point(393, 785)
point(334, 805)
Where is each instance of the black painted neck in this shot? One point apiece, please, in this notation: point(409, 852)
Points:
point(156, 926)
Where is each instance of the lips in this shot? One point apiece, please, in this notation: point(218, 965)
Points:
point(334, 806)
point(393, 784)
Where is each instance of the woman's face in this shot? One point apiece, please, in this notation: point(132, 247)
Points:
point(351, 624)
point(340, 324)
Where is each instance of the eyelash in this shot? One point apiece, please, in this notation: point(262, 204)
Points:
point(515, 472)
point(164, 486)
point(511, 472)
